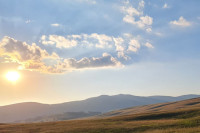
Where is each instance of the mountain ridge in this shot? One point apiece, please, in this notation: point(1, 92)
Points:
point(103, 103)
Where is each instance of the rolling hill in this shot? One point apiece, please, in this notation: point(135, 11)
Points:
point(30, 110)
point(179, 117)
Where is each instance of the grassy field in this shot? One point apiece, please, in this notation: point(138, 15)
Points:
point(183, 121)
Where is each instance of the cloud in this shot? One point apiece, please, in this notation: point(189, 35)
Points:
point(28, 21)
point(102, 40)
point(96, 40)
point(165, 6)
point(134, 45)
point(148, 45)
point(120, 46)
point(21, 51)
point(136, 16)
point(182, 22)
point(32, 57)
point(28, 56)
point(88, 1)
point(59, 41)
point(141, 5)
point(100, 51)
point(145, 21)
point(104, 62)
point(55, 25)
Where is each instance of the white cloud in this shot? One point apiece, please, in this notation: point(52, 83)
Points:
point(131, 11)
point(165, 6)
point(134, 45)
point(59, 41)
point(148, 30)
point(145, 21)
point(103, 40)
point(27, 21)
point(141, 5)
point(129, 19)
point(148, 45)
point(97, 40)
point(182, 22)
point(136, 17)
point(55, 25)
point(88, 1)
point(120, 48)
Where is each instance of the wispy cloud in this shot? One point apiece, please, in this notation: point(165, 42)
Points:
point(28, 21)
point(165, 6)
point(148, 45)
point(88, 1)
point(182, 22)
point(55, 25)
point(136, 16)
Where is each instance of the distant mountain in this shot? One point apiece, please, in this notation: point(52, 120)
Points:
point(103, 103)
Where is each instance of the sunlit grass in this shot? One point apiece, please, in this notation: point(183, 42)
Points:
point(181, 121)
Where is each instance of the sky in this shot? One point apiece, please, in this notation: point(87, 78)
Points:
point(71, 50)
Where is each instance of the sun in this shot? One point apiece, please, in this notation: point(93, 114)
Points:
point(13, 76)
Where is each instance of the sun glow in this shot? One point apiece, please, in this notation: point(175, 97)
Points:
point(13, 76)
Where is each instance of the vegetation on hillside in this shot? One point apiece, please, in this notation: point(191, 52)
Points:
point(183, 121)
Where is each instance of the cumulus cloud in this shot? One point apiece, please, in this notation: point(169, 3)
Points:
point(105, 61)
point(136, 16)
point(97, 40)
point(102, 40)
point(114, 50)
point(120, 46)
point(32, 57)
point(134, 45)
point(182, 22)
point(21, 50)
point(58, 41)
point(28, 56)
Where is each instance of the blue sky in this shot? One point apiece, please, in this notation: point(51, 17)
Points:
point(71, 50)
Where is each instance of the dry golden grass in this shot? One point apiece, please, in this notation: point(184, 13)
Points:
point(189, 121)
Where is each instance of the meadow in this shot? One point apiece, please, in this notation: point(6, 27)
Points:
point(183, 121)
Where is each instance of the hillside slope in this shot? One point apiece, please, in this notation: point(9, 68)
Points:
point(104, 103)
point(153, 108)
point(179, 117)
